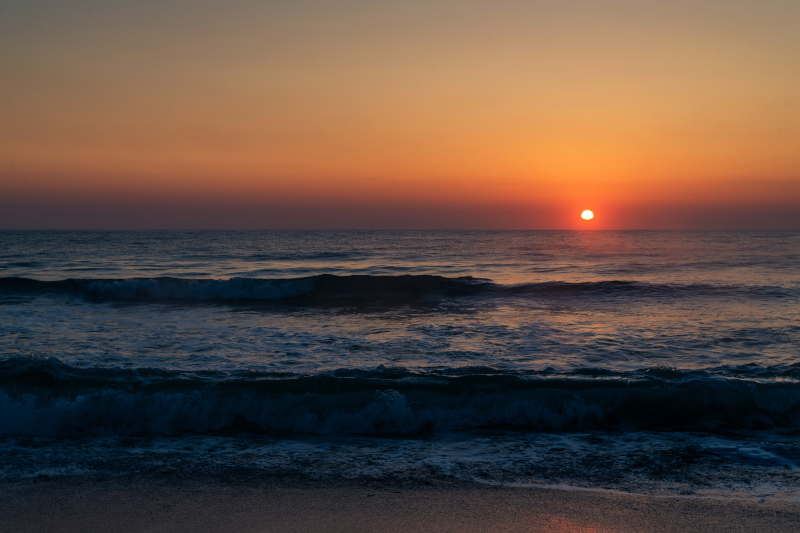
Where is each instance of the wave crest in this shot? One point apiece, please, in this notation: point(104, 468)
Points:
point(328, 286)
point(45, 397)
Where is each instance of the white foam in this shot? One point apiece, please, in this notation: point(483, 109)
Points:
point(752, 454)
point(555, 460)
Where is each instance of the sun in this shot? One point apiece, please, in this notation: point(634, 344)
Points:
point(587, 215)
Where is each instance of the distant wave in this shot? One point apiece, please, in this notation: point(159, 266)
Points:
point(45, 397)
point(328, 286)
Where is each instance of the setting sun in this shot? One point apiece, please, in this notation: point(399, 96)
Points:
point(587, 215)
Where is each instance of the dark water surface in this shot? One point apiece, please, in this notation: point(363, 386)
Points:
point(645, 361)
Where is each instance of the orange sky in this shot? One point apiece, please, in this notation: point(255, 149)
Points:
point(507, 114)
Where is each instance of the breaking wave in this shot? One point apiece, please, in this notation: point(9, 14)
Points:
point(328, 286)
point(45, 397)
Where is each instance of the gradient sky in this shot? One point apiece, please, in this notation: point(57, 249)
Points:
point(389, 114)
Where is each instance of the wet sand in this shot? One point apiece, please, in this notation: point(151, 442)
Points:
point(190, 505)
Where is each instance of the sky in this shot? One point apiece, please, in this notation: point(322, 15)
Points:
point(435, 114)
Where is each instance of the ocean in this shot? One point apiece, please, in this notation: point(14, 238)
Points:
point(663, 363)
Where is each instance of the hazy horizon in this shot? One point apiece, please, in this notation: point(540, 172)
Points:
point(138, 217)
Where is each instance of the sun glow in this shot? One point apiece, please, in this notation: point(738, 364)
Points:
point(587, 215)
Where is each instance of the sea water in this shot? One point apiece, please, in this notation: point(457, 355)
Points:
point(651, 362)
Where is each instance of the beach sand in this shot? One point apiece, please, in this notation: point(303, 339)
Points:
point(209, 505)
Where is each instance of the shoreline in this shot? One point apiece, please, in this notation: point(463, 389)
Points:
point(209, 503)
